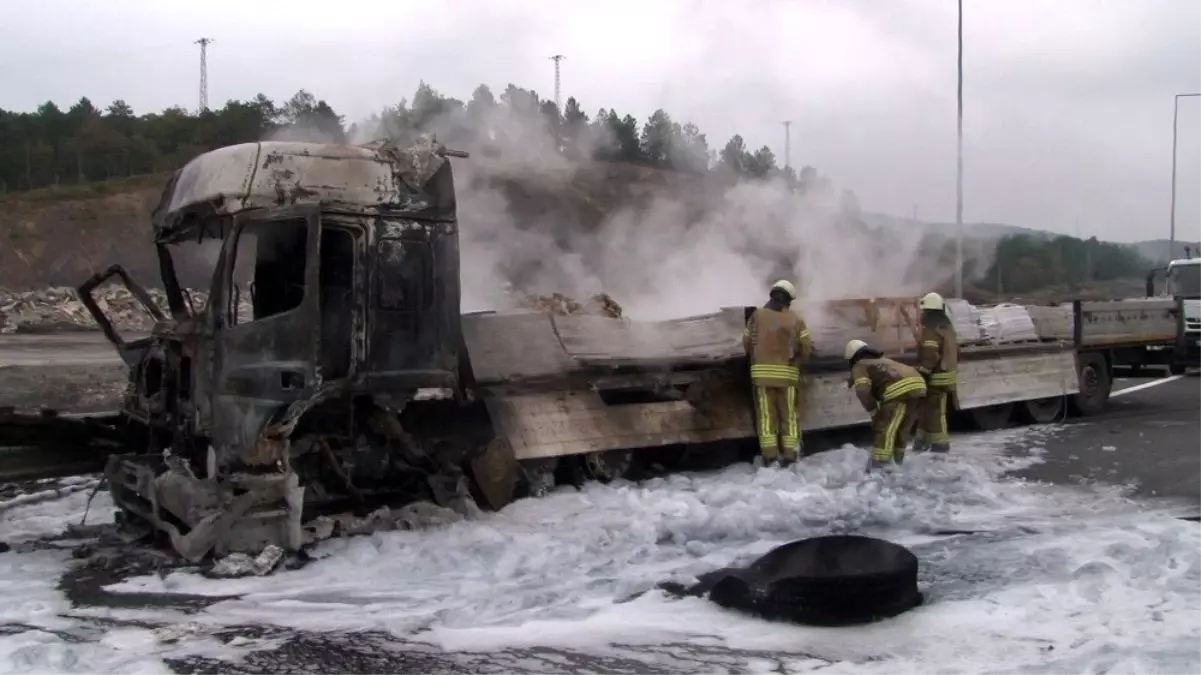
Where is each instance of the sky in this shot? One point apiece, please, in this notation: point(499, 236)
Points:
point(1067, 104)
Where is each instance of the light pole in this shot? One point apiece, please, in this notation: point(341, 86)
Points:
point(1172, 218)
point(959, 166)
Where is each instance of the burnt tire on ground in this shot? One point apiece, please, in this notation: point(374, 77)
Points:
point(836, 580)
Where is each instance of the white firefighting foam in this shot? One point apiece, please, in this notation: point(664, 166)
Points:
point(1061, 578)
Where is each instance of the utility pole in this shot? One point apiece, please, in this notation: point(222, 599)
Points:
point(1172, 219)
point(204, 73)
point(557, 58)
point(959, 167)
point(787, 144)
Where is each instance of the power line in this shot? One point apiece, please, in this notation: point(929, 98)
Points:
point(557, 58)
point(787, 143)
point(204, 73)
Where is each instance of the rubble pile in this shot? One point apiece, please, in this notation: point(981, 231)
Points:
point(58, 309)
point(601, 304)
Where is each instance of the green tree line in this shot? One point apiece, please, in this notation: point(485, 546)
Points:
point(84, 143)
point(1026, 263)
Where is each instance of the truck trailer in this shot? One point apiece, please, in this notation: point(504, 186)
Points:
point(331, 371)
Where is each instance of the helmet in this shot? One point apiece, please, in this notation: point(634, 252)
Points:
point(786, 286)
point(853, 348)
point(932, 301)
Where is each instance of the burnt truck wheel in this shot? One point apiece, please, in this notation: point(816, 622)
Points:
point(495, 473)
point(991, 417)
point(1095, 384)
point(602, 467)
point(835, 580)
point(1041, 410)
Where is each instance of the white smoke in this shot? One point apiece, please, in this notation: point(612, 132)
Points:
point(663, 244)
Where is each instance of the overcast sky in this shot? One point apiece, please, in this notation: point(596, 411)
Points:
point(1067, 114)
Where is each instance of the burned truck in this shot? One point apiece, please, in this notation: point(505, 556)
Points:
point(326, 371)
point(331, 372)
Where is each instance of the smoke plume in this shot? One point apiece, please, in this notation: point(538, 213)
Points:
point(663, 244)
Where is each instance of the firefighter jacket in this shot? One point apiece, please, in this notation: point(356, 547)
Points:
point(777, 343)
point(882, 380)
point(938, 354)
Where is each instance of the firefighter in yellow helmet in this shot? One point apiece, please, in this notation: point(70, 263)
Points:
point(890, 392)
point(777, 345)
point(938, 361)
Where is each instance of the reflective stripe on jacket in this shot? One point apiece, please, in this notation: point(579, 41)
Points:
point(777, 343)
point(881, 380)
point(938, 354)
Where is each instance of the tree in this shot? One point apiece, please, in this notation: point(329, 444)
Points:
point(1025, 263)
point(690, 149)
point(482, 104)
point(657, 139)
point(760, 165)
point(575, 120)
point(84, 143)
point(304, 117)
point(734, 155)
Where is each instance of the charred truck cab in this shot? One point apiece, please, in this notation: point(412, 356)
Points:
point(318, 375)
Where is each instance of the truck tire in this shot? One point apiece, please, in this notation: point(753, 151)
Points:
point(835, 580)
point(991, 417)
point(1041, 410)
point(1176, 368)
point(1095, 384)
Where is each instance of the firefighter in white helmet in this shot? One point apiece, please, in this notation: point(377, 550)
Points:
point(777, 345)
point(938, 362)
point(890, 391)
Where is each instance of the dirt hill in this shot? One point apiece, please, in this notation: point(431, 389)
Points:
point(59, 236)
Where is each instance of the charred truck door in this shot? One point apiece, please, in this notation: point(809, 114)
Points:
point(415, 306)
point(265, 307)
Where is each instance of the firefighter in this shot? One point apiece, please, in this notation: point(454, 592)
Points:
point(777, 345)
point(938, 360)
point(890, 392)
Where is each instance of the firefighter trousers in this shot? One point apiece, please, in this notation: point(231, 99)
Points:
point(891, 428)
point(932, 417)
point(778, 429)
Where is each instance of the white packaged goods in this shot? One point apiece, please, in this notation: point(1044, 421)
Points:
point(1007, 323)
point(966, 319)
point(1052, 323)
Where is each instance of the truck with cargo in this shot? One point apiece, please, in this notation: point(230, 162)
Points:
point(331, 372)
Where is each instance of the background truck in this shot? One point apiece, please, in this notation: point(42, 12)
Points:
point(330, 371)
point(1181, 287)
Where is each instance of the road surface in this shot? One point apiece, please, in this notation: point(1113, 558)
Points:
point(365, 605)
point(1147, 436)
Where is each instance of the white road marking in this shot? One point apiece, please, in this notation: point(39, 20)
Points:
point(1145, 385)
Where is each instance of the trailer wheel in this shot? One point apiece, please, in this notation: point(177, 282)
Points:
point(834, 580)
point(602, 467)
point(1095, 384)
point(495, 473)
point(992, 417)
point(1041, 410)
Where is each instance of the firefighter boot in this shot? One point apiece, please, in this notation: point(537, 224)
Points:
point(790, 457)
point(876, 465)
